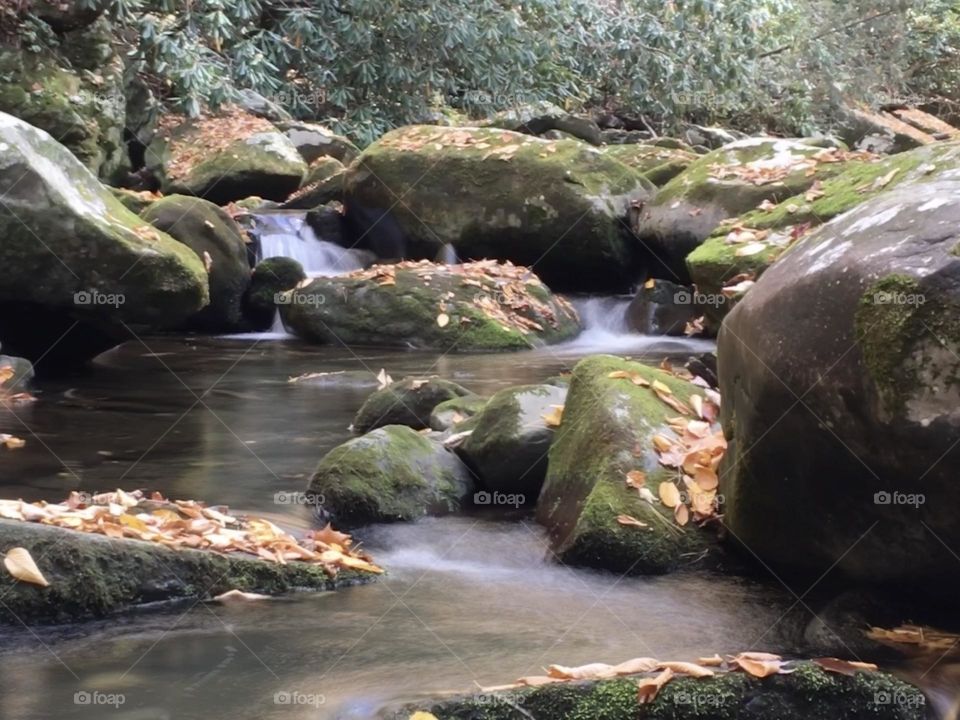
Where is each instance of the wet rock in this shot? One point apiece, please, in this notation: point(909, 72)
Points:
point(511, 437)
point(453, 413)
point(93, 576)
point(323, 184)
point(661, 307)
point(407, 402)
point(225, 158)
point(393, 473)
point(556, 205)
point(859, 321)
point(271, 277)
point(607, 430)
point(100, 272)
point(218, 242)
point(427, 305)
point(133, 200)
point(710, 137)
point(315, 141)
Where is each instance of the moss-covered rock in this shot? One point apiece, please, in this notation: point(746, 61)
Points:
point(314, 141)
point(271, 277)
point(658, 164)
point(510, 438)
point(225, 158)
point(217, 240)
point(807, 693)
point(607, 431)
point(393, 473)
point(133, 200)
point(722, 184)
point(407, 402)
point(402, 306)
point(859, 321)
point(323, 184)
point(92, 575)
point(557, 206)
point(79, 270)
point(452, 413)
point(716, 261)
point(75, 94)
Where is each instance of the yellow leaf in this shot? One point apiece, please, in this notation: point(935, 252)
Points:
point(681, 514)
point(443, 320)
point(20, 564)
point(661, 388)
point(669, 494)
point(419, 715)
point(11, 442)
point(715, 661)
point(553, 418)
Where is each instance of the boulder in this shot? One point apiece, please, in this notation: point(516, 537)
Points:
point(607, 431)
point(315, 141)
point(218, 241)
point(224, 158)
point(840, 403)
point(323, 184)
point(541, 118)
point(658, 164)
point(722, 262)
point(407, 402)
point(556, 206)
point(256, 104)
point(93, 575)
point(133, 200)
point(80, 272)
point(661, 307)
point(454, 412)
point(723, 184)
point(507, 449)
point(393, 473)
point(463, 308)
point(76, 94)
point(807, 692)
point(271, 277)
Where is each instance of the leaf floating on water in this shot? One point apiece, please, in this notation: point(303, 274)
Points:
point(383, 379)
point(239, 596)
point(443, 320)
point(631, 521)
point(20, 564)
point(669, 494)
point(649, 688)
point(554, 418)
point(329, 536)
point(844, 667)
point(11, 442)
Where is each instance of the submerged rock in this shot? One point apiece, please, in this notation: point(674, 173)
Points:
point(607, 431)
point(808, 692)
point(218, 241)
point(462, 308)
point(840, 398)
point(393, 473)
point(271, 278)
point(78, 271)
point(225, 158)
point(557, 206)
point(92, 575)
point(407, 402)
point(511, 437)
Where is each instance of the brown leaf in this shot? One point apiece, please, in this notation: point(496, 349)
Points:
point(686, 668)
point(844, 667)
point(715, 661)
point(669, 494)
point(681, 514)
point(20, 564)
point(648, 688)
point(631, 521)
point(636, 479)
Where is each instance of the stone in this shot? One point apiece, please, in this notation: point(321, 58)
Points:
point(409, 402)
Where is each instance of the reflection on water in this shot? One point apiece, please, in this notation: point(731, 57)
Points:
point(468, 601)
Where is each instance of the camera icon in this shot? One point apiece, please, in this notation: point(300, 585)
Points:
point(482, 498)
point(82, 698)
point(882, 498)
point(283, 298)
point(282, 698)
point(882, 698)
point(682, 297)
point(82, 297)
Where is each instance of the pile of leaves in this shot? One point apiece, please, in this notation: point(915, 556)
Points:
point(766, 171)
point(757, 664)
point(500, 290)
point(191, 524)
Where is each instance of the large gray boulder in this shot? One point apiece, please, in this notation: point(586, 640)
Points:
point(78, 271)
point(840, 396)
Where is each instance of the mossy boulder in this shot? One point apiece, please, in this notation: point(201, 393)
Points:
point(507, 448)
point(607, 431)
point(716, 262)
point(93, 576)
point(133, 200)
point(658, 164)
point(407, 402)
point(723, 184)
point(218, 242)
point(839, 374)
point(323, 184)
point(80, 272)
point(75, 94)
point(402, 306)
point(806, 693)
point(271, 277)
point(393, 473)
point(545, 117)
point(225, 158)
point(314, 141)
point(452, 413)
point(556, 206)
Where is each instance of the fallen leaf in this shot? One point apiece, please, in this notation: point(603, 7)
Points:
point(554, 417)
point(681, 514)
point(443, 320)
point(235, 596)
point(669, 494)
point(844, 667)
point(20, 564)
point(420, 715)
point(648, 688)
point(751, 249)
point(636, 479)
point(631, 521)
point(11, 442)
point(592, 671)
point(686, 668)
point(759, 665)
point(715, 661)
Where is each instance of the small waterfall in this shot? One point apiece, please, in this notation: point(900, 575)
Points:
point(448, 255)
point(290, 235)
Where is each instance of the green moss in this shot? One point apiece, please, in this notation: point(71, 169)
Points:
point(407, 402)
